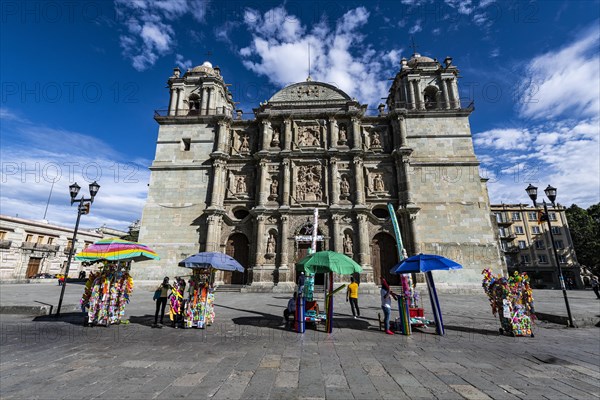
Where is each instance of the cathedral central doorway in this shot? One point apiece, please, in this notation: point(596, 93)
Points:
point(238, 248)
point(301, 252)
point(384, 255)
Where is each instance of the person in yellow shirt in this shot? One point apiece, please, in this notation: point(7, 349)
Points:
point(352, 295)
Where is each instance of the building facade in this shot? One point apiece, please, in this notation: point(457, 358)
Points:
point(527, 245)
point(29, 247)
point(248, 187)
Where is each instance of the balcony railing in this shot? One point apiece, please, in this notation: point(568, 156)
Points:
point(5, 244)
point(28, 245)
point(46, 247)
point(193, 114)
point(461, 105)
point(511, 249)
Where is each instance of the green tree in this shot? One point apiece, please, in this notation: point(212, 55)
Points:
point(585, 231)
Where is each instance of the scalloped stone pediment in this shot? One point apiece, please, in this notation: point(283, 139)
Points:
point(309, 91)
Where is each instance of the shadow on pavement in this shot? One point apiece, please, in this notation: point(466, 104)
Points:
point(471, 330)
point(146, 320)
point(74, 318)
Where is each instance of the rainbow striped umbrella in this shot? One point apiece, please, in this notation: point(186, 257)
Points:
point(115, 249)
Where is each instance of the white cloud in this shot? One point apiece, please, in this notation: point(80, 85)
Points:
point(31, 162)
point(339, 55)
point(564, 82)
point(182, 62)
point(416, 27)
point(504, 139)
point(149, 27)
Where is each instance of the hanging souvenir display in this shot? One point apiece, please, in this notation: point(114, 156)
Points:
point(177, 302)
point(199, 310)
point(106, 294)
point(512, 299)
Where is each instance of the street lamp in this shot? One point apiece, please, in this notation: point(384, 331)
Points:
point(551, 194)
point(82, 208)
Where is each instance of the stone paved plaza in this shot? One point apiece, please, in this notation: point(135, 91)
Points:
point(248, 354)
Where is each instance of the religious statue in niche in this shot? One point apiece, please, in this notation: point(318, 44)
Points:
point(244, 145)
point(348, 244)
point(309, 137)
point(275, 137)
point(271, 246)
point(308, 186)
point(344, 188)
point(378, 185)
point(375, 140)
point(240, 185)
point(343, 135)
point(274, 189)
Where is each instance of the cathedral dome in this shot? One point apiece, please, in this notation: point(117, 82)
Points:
point(309, 91)
point(206, 67)
point(418, 59)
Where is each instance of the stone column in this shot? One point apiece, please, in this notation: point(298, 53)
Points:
point(263, 191)
point(335, 184)
point(212, 101)
point(285, 228)
point(218, 187)
point(419, 93)
point(407, 184)
point(260, 240)
point(266, 134)
point(287, 134)
point(337, 243)
point(212, 234)
point(364, 251)
point(171, 102)
point(444, 86)
point(456, 93)
point(359, 181)
point(402, 126)
point(411, 95)
point(356, 133)
point(286, 182)
point(333, 133)
point(209, 103)
point(178, 101)
point(223, 131)
point(204, 100)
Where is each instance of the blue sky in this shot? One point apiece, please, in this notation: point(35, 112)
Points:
point(80, 83)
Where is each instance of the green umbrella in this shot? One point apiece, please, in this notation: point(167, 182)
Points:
point(328, 261)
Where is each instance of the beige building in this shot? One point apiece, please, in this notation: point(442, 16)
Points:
point(527, 245)
point(248, 187)
point(29, 247)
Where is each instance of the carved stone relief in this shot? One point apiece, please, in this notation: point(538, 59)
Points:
point(240, 184)
point(276, 136)
point(308, 184)
point(274, 188)
point(309, 136)
point(241, 143)
point(343, 135)
point(344, 188)
point(347, 244)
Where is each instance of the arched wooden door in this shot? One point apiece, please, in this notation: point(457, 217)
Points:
point(238, 248)
point(384, 255)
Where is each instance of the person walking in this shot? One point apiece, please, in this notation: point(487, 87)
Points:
point(161, 302)
point(352, 295)
point(386, 304)
point(595, 286)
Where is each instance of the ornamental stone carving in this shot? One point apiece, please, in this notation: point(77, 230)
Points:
point(378, 184)
point(343, 135)
point(308, 186)
point(274, 190)
point(375, 140)
point(276, 136)
point(244, 144)
point(348, 244)
point(240, 185)
point(344, 188)
point(271, 246)
point(309, 136)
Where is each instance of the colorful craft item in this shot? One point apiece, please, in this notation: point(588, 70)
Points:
point(512, 299)
point(115, 249)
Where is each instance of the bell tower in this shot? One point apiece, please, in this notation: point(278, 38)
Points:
point(424, 84)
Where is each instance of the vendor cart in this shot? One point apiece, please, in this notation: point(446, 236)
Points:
point(511, 298)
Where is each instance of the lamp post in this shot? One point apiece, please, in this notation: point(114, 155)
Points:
point(83, 207)
point(551, 194)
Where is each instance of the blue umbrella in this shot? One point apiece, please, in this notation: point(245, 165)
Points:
point(427, 263)
point(424, 263)
point(214, 260)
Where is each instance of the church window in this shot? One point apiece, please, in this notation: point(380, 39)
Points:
point(240, 213)
point(380, 212)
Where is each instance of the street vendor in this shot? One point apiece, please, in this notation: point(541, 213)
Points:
point(291, 308)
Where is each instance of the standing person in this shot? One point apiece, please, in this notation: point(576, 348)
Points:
point(595, 286)
point(352, 294)
point(161, 302)
point(386, 304)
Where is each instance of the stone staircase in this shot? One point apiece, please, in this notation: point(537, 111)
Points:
point(229, 288)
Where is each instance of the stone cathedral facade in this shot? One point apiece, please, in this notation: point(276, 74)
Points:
point(249, 187)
